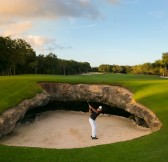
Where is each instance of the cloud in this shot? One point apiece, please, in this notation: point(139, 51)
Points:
point(48, 9)
point(16, 29)
point(113, 1)
point(130, 1)
point(44, 44)
point(37, 41)
point(84, 26)
point(54, 46)
point(14, 13)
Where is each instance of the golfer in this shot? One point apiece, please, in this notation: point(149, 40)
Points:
point(92, 119)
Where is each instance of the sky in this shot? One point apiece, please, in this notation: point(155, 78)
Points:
point(122, 32)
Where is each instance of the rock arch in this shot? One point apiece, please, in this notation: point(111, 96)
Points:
point(114, 96)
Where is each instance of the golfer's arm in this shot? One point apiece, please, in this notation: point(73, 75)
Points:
point(90, 110)
point(90, 107)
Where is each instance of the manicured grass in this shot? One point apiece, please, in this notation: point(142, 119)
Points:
point(151, 91)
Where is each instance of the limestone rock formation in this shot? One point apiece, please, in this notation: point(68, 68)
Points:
point(9, 118)
point(111, 95)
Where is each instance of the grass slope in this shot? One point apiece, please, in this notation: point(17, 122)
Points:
point(151, 91)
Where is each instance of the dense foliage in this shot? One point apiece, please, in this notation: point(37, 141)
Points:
point(18, 57)
point(159, 67)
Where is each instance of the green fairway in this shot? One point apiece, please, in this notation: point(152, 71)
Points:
point(151, 91)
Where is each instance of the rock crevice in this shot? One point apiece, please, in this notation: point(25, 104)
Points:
point(113, 96)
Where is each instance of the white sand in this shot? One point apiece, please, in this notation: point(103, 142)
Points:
point(69, 129)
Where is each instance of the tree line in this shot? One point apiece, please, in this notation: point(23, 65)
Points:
point(159, 67)
point(18, 57)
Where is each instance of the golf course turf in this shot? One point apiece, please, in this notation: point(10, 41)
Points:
point(151, 91)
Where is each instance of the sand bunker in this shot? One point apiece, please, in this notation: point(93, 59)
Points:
point(70, 129)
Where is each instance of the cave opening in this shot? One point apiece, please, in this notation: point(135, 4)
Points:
point(82, 106)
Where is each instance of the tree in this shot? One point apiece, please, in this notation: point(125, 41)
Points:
point(34, 66)
point(51, 63)
point(105, 68)
point(19, 49)
point(146, 68)
point(5, 46)
point(13, 55)
point(165, 63)
point(63, 64)
point(94, 69)
point(157, 66)
point(136, 69)
point(127, 69)
point(117, 69)
point(85, 67)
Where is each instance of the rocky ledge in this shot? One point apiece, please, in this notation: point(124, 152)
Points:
point(113, 96)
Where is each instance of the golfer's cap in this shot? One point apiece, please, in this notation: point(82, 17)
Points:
point(100, 107)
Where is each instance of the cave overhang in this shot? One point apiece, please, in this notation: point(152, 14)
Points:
point(113, 96)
